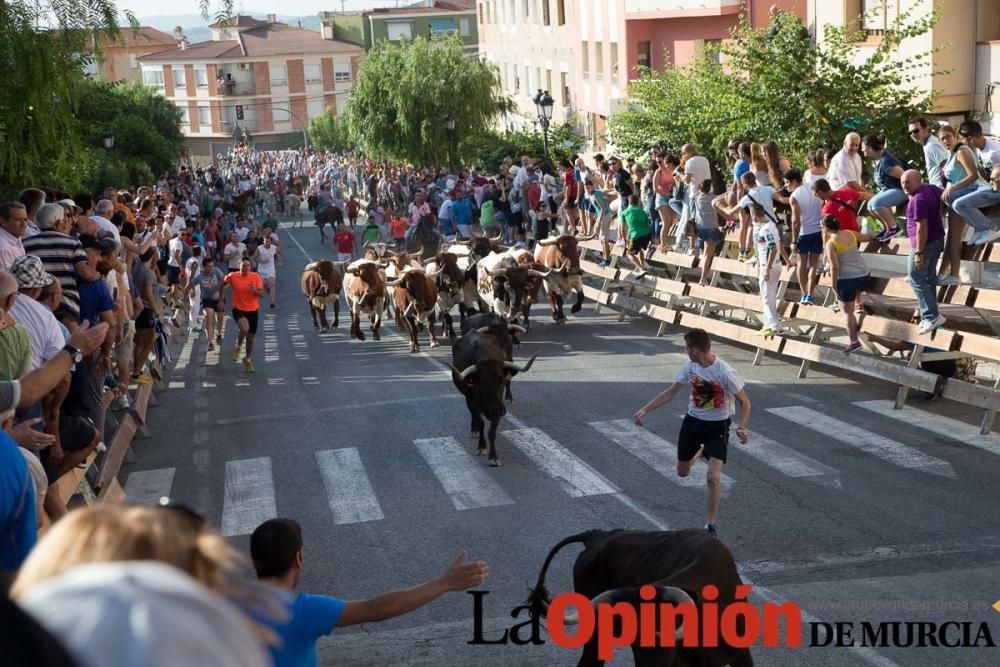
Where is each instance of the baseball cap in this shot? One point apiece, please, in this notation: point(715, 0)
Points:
point(69, 202)
point(29, 273)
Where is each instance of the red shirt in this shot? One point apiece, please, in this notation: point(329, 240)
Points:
point(399, 226)
point(570, 182)
point(344, 241)
point(352, 207)
point(842, 205)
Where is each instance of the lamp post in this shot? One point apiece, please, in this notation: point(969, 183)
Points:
point(543, 108)
point(109, 140)
point(449, 125)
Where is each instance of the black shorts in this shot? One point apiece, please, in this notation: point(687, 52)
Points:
point(712, 436)
point(639, 243)
point(146, 319)
point(173, 275)
point(250, 315)
point(210, 303)
point(810, 244)
point(571, 203)
point(75, 433)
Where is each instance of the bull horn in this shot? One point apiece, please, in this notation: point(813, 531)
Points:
point(539, 274)
point(565, 266)
point(498, 272)
point(393, 283)
point(516, 327)
point(483, 330)
point(510, 365)
point(588, 237)
point(462, 241)
point(496, 238)
point(549, 241)
point(367, 244)
point(434, 274)
point(382, 265)
point(677, 596)
point(463, 375)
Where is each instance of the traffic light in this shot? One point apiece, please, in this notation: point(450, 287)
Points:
point(239, 112)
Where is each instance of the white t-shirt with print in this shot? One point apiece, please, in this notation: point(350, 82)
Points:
point(765, 238)
point(763, 195)
point(712, 389)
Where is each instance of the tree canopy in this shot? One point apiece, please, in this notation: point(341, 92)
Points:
point(780, 84)
point(328, 132)
point(405, 90)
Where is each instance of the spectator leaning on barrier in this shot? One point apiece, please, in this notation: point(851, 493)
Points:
point(277, 552)
point(926, 232)
point(970, 206)
point(935, 155)
point(846, 166)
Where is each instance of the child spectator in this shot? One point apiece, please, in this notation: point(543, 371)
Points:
point(399, 226)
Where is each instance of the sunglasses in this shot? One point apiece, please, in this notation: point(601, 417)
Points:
point(915, 131)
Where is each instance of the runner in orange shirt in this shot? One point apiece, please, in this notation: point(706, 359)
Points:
point(247, 288)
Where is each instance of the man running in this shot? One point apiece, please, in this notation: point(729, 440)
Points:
point(247, 289)
point(209, 279)
point(705, 431)
point(265, 257)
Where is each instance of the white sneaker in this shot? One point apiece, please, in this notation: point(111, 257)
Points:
point(121, 403)
point(927, 326)
point(948, 280)
point(987, 236)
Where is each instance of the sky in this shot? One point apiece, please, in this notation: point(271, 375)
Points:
point(262, 7)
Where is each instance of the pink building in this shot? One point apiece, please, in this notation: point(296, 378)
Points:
point(586, 51)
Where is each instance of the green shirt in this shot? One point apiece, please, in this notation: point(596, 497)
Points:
point(637, 221)
point(370, 233)
point(15, 351)
point(272, 223)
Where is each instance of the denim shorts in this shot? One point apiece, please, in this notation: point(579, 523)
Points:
point(709, 234)
point(887, 199)
point(662, 200)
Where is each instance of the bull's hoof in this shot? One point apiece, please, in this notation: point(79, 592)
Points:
point(510, 401)
point(481, 452)
point(576, 308)
point(317, 327)
point(494, 463)
point(375, 336)
point(336, 324)
point(359, 336)
point(434, 343)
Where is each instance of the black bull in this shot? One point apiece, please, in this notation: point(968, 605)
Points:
point(507, 337)
point(479, 371)
point(679, 564)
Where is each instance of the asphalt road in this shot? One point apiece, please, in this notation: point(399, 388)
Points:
point(855, 513)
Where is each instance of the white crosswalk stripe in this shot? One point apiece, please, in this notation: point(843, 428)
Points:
point(654, 451)
point(884, 448)
point(575, 476)
point(249, 499)
point(789, 462)
point(937, 424)
point(146, 487)
point(468, 484)
point(352, 498)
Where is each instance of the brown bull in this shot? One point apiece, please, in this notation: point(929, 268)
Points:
point(562, 256)
point(415, 295)
point(364, 291)
point(321, 282)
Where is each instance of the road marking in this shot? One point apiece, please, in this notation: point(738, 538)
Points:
point(228, 421)
point(463, 478)
point(146, 487)
point(212, 356)
point(938, 424)
point(185, 356)
point(884, 448)
point(788, 461)
point(352, 498)
point(249, 499)
point(303, 250)
point(575, 476)
point(654, 451)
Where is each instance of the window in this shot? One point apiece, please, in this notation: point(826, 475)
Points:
point(314, 74)
point(464, 28)
point(546, 14)
point(185, 117)
point(528, 81)
point(873, 16)
point(442, 26)
point(613, 47)
point(314, 108)
point(91, 67)
point(279, 75)
point(538, 78)
point(585, 52)
point(178, 73)
point(204, 116)
point(342, 72)
point(599, 61)
point(482, 7)
point(280, 111)
point(152, 76)
point(201, 77)
point(643, 59)
point(527, 10)
point(561, 12)
point(398, 30)
point(133, 61)
point(564, 85)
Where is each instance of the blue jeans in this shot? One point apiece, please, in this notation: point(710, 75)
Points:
point(958, 193)
point(889, 199)
point(654, 215)
point(970, 208)
point(924, 281)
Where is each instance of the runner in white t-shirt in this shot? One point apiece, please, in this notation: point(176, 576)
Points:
point(266, 255)
point(713, 386)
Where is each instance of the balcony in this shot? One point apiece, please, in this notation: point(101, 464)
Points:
point(235, 80)
point(235, 88)
point(249, 124)
point(665, 9)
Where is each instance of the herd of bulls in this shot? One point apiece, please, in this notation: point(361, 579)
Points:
point(493, 287)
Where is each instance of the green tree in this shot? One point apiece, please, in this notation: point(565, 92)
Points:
point(405, 90)
point(779, 84)
point(489, 148)
point(327, 132)
point(40, 57)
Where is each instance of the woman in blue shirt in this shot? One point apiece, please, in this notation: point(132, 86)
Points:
point(888, 170)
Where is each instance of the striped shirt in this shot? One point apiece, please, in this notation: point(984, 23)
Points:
point(59, 254)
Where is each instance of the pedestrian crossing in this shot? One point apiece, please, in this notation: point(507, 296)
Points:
point(354, 496)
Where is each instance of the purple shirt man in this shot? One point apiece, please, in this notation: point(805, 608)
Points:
point(925, 204)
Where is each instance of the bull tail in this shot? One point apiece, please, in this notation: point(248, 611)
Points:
point(539, 596)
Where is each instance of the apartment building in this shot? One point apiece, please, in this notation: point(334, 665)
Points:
point(258, 79)
point(427, 18)
point(118, 59)
point(967, 40)
point(584, 52)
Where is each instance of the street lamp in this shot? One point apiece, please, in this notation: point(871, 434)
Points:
point(543, 108)
point(109, 140)
point(449, 125)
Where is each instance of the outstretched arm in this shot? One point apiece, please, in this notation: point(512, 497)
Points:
point(661, 399)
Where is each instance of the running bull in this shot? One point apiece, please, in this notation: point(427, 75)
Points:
point(506, 286)
point(480, 370)
point(561, 256)
point(364, 290)
point(415, 295)
point(321, 282)
point(678, 564)
point(507, 336)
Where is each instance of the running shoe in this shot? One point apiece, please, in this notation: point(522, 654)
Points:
point(711, 530)
point(767, 331)
point(218, 338)
point(948, 280)
point(236, 355)
point(272, 305)
point(853, 347)
point(886, 234)
point(142, 378)
point(121, 403)
point(927, 326)
point(248, 364)
point(211, 346)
